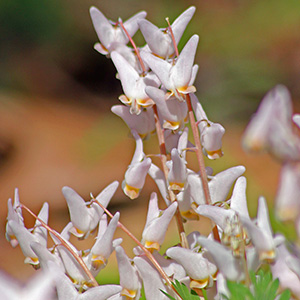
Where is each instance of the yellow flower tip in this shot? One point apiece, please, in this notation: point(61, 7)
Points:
point(147, 102)
point(143, 136)
point(125, 100)
point(186, 89)
point(168, 95)
point(190, 215)
point(131, 191)
point(128, 294)
point(214, 154)
point(267, 256)
point(151, 246)
point(171, 125)
point(199, 284)
point(176, 187)
point(34, 261)
point(98, 261)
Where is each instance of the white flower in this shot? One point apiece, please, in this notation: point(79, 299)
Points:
point(133, 84)
point(84, 216)
point(157, 223)
point(177, 78)
point(159, 40)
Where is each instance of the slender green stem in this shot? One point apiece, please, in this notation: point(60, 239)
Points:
point(74, 254)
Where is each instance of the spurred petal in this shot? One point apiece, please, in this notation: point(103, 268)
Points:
point(221, 183)
point(217, 214)
point(127, 74)
point(261, 239)
point(104, 197)
point(182, 71)
point(151, 279)
point(172, 111)
point(103, 247)
point(179, 25)
point(238, 200)
point(129, 279)
point(44, 256)
point(155, 231)
point(135, 177)
point(79, 214)
point(230, 266)
point(158, 41)
point(158, 176)
point(142, 123)
point(196, 265)
point(280, 269)
point(25, 238)
point(287, 198)
point(178, 172)
point(211, 138)
point(160, 67)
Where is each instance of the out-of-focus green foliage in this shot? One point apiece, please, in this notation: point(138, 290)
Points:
point(263, 288)
point(30, 22)
point(246, 47)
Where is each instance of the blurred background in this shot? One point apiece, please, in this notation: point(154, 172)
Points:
point(56, 91)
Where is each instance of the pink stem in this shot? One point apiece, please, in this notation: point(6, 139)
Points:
point(173, 37)
point(134, 46)
point(145, 250)
point(74, 254)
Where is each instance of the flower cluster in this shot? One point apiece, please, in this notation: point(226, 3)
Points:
point(159, 98)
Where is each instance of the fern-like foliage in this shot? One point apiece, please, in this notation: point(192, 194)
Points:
point(263, 287)
point(184, 292)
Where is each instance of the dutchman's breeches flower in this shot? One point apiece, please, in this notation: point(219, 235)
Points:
point(287, 198)
point(85, 216)
point(159, 40)
point(157, 223)
point(25, 237)
point(271, 128)
point(129, 278)
point(66, 290)
point(230, 266)
point(111, 35)
point(152, 281)
point(211, 133)
point(173, 112)
point(135, 175)
point(103, 246)
point(133, 84)
point(177, 78)
point(177, 172)
point(199, 268)
point(15, 214)
point(143, 123)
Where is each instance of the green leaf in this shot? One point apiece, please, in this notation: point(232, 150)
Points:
point(272, 289)
point(204, 294)
point(183, 291)
point(239, 291)
point(286, 295)
point(169, 296)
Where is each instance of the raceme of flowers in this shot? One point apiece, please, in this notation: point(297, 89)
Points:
point(159, 98)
